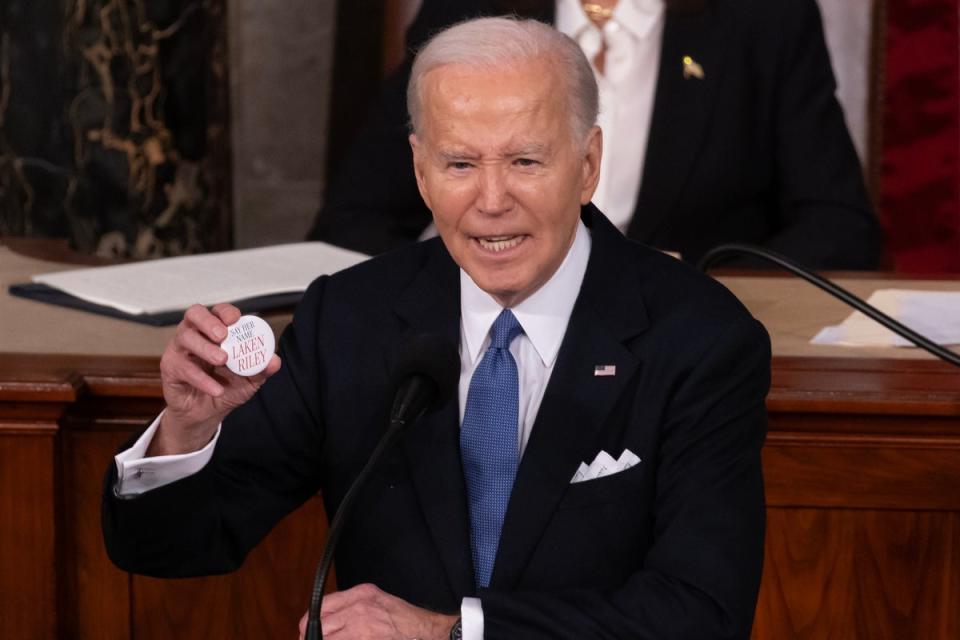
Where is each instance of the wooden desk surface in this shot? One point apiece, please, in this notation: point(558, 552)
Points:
point(791, 309)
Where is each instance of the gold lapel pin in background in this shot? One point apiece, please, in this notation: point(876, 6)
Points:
point(691, 69)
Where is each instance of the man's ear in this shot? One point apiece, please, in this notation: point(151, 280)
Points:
point(419, 160)
point(592, 155)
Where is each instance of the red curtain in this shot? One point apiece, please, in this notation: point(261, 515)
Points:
point(919, 199)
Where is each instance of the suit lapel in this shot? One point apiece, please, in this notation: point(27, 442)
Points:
point(432, 305)
point(681, 111)
point(576, 403)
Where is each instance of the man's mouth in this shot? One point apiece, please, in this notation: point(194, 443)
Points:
point(500, 243)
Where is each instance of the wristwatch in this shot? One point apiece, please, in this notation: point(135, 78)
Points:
point(456, 631)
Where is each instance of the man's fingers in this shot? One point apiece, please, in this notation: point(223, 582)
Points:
point(189, 372)
point(338, 620)
point(208, 324)
point(330, 626)
point(192, 342)
point(338, 600)
point(227, 313)
point(367, 612)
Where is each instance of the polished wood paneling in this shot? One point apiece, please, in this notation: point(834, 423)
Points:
point(871, 575)
point(862, 471)
point(28, 552)
point(96, 601)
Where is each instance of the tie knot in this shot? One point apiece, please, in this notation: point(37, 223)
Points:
point(505, 328)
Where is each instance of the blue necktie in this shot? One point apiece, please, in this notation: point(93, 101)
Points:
point(488, 443)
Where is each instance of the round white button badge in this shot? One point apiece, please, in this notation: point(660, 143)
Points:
point(249, 346)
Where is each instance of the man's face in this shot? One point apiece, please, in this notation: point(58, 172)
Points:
point(498, 166)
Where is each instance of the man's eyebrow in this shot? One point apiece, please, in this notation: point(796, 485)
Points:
point(532, 149)
point(454, 155)
point(459, 155)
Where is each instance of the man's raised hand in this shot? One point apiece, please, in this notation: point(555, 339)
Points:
point(198, 388)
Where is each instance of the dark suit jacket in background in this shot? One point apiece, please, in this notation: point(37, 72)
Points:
point(756, 152)
point(671, 548)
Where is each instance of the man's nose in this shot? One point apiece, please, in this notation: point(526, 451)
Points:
point(494, 194)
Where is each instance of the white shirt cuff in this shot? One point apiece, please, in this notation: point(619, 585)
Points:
point(471, 618)
point(137, 473)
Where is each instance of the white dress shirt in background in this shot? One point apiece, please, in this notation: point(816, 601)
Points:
point(633, 36)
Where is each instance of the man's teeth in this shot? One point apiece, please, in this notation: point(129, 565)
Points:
point(500, 243)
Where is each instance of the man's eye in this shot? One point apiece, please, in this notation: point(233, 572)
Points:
point(459, 166)
point(525, 162)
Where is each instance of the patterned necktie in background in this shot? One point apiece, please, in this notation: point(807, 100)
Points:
point(488, 442)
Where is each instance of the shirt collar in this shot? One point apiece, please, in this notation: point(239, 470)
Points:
point(543, 316)
point(636, 16)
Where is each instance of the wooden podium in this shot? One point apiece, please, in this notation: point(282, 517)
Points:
point(862, 468)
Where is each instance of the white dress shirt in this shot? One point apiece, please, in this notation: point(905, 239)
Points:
point(544, 317)
point(136, 473)
point(633, 36)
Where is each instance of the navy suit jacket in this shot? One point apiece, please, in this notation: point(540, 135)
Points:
point(756, 152)
point(671, 548)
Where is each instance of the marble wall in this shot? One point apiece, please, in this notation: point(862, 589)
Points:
point(113, 124)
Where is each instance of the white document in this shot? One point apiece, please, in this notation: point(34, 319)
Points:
point(935, 314)
point(171, 284)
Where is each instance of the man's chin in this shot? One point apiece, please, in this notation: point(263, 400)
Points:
point(507, 294)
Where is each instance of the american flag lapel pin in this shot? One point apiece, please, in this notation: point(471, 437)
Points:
point(602, 370)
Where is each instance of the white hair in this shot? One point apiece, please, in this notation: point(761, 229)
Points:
point(499, 43)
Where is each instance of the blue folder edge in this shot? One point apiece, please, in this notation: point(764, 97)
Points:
point(52, 295)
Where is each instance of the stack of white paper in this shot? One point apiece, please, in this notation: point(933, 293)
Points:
point(934, 314)
point(171, 284)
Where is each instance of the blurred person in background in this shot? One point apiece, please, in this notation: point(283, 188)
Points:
point(720, 125)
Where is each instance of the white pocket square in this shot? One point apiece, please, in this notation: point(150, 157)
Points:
point(604, 465)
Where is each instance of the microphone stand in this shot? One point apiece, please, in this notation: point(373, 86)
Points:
point(836, 291)
point(409, 405)
point(314, 626)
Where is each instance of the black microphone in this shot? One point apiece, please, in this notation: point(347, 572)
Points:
point(425, 375)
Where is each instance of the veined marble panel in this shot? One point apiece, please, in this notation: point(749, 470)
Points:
point(113, 124)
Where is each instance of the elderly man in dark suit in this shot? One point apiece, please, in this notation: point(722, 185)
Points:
point(598, 474)
point(727, 130)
